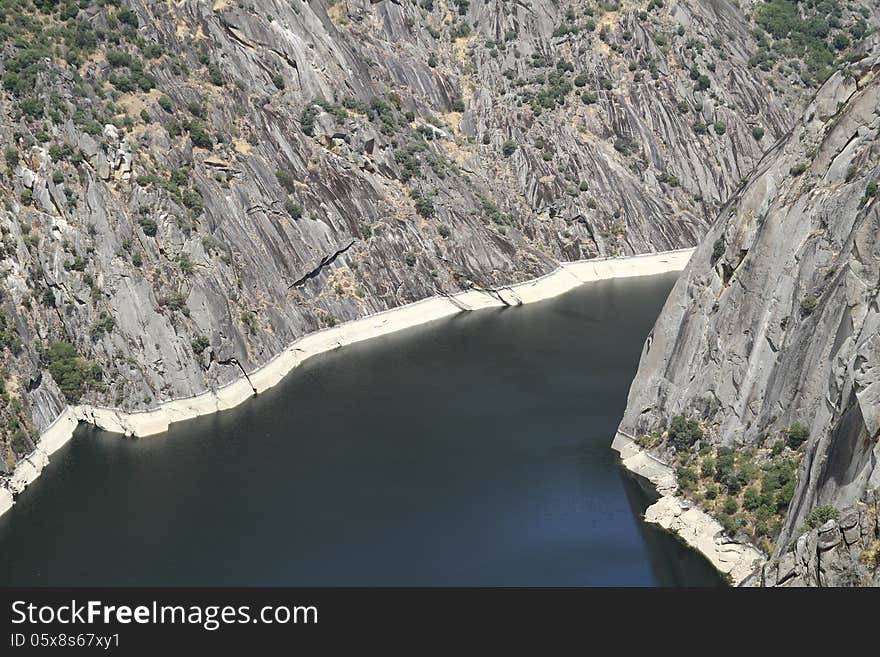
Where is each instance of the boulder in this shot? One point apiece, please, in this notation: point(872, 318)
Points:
point(828, 536)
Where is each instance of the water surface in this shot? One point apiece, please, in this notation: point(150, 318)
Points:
point(474, 450)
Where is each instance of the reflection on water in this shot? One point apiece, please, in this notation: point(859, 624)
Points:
point(669, 567)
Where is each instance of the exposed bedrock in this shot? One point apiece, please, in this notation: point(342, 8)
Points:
point(774, 326)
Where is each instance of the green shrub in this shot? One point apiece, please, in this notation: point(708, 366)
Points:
point(123, 83)
point(295, 210)
point(215, 75)
point(21, 443)
point(148, 225)
point(808, 305)
point(798, 169)
point(152, 51)
point(32, 107)
point(424, 206)
point(286, 181)
point(728, 523)
point(307, 120)
point(186, 264)
point(724, 464)
point(589, 98)
point(68, 369)
point(757, 133)
point(127, 17)
point(686, 477)
point(199, 344)
point(707, 467)
point(192, 199)
point(776, 475)
point(751, 499)
point(624, 145)
point(249, 319)
point(174, 301)
point(508, 148)
point(784, 496)
point(732, 483)
point(409, 164)
point(668, 179)
point(731, 505)
point(796, 435)
point(104, 325)
point(764, 512)
point(820, 515)
point(748, 472)
point(116, 58)
point(196, 109)
point(199, 135)
point(684, 432)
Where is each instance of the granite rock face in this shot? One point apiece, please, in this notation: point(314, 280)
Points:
point(775, 323)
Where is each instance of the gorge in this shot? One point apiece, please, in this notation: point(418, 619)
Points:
point(372, 465)
point(193, 188)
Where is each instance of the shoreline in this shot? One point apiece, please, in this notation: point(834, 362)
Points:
point(737, 561)
point(564, 278)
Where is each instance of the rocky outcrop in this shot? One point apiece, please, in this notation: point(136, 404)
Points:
point(840, 552)
point(771, 333)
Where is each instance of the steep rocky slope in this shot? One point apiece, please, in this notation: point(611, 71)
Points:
point(770, 344)
point(191, 186)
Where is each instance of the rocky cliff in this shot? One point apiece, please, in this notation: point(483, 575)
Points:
point(759, 381)
point(191, 186)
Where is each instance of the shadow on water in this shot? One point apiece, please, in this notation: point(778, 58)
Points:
point(468, 451)
point(673, 565)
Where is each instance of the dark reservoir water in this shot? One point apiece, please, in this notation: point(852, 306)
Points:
point(470, 451)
